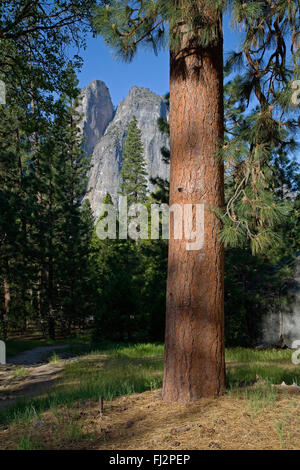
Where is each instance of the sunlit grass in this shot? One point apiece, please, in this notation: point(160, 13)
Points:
point(20, 372)
point(247, 355)
point(54, 359)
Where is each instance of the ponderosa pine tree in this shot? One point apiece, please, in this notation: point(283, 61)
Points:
point(194, 349)
point(133, 173)
point(45, 29)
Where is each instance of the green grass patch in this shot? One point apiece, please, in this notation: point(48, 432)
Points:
point(29, 442)
point(54, 359)
point(119, 349)
point(15, 346)
point(261, 397)
point(20, 372)
point(247, 355)
point(246, 374)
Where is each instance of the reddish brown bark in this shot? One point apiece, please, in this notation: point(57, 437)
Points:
point(5, 315)
point(194, 345)
point(6, 297)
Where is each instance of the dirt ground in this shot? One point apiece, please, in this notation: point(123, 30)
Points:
point(38, 380)
point(143, 421)
point(35, 355)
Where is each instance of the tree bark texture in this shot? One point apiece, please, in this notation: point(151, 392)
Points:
point(194, 341)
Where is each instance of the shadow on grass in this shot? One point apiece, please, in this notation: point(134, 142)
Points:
point(247, 375)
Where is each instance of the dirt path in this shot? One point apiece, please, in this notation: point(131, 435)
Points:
point(36, 355)
point(29, 374)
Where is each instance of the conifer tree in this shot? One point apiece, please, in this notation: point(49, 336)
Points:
point(194, 351)
point(14, 214)
point(38, 33)
point(133, 173)
point(117, 273)
point(18, 203)
point(154, 254)
point(194, 347)
point(65, 169)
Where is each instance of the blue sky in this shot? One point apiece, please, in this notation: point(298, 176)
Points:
point(146, 70)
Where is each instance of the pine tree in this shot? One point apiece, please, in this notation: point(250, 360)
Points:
point(117, 275)
point(194, 351)
point(17, 208)
point(65, 169)
point(133, 173)
point(11, 192)
point(39, 33)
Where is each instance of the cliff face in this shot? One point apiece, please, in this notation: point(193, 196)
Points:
point(147, 107)
point(97, 111)
point(281, 325)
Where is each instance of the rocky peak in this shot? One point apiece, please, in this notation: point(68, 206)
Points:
point(97, 110)
point(147, 107)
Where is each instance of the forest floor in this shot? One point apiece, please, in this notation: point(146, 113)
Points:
point(255, 412)
point(30, 373)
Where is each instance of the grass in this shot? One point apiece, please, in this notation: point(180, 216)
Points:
point(114, 370)
point(272, 365)
point(280, 429)
point(261, 397)
point(20, 372)
point(54, 359)
point(249, 356)
point(29, 442)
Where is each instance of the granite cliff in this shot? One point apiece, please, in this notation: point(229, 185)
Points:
point(105, 134)
point(97, 112)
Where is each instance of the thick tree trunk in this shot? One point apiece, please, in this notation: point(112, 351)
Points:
point(194, 342)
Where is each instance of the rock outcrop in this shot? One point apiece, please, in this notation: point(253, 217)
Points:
point(97, 110)
point(281, 325)
point(106, 161)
